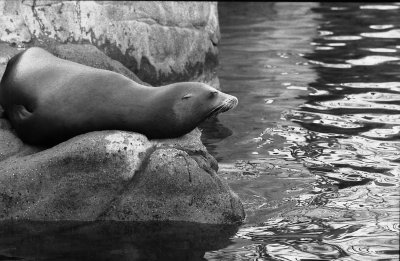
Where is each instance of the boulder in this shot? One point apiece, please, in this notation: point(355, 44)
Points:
point(114, 175)
point(161, 42)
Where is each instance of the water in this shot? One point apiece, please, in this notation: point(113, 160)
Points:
point(313, 148)
point(108, 240)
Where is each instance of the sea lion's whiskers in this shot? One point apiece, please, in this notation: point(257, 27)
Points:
point(232, 102)
point(226, 105)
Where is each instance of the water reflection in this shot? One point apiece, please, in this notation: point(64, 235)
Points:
point(328, 188)
point(110, 240)
point(212, 132)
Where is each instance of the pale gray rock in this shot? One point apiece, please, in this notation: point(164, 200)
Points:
point(115, 175)
point(12, 24)
point(161, 42)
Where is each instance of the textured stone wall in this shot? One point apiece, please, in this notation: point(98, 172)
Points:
point(161, 42)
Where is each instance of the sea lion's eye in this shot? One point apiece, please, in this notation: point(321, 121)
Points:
point(187, 96)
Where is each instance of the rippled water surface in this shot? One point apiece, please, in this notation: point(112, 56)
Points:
point(313, 147)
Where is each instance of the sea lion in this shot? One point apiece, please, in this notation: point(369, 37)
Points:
point(49, 100)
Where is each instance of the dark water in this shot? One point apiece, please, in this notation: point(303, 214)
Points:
point(73, 241)
point(313, 148)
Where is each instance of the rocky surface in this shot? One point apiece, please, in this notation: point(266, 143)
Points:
point(161, 42)
point(114, 175)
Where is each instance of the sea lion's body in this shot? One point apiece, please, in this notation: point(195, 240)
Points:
point(49, 100)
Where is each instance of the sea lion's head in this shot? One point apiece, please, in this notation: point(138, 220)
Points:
point(195, 102)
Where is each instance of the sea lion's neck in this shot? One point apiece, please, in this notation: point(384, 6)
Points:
point(143, 108)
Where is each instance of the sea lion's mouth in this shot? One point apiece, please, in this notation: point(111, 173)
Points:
point(226, 105)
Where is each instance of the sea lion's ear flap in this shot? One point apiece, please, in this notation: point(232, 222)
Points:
point(187, 96)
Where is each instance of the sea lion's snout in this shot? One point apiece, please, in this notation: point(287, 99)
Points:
point(227, 102)
point(230, 103)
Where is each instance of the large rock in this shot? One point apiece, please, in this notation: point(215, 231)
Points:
point(114, 175)
point(161, 42)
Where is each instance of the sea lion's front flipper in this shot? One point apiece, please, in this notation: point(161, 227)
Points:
point(19, 113)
